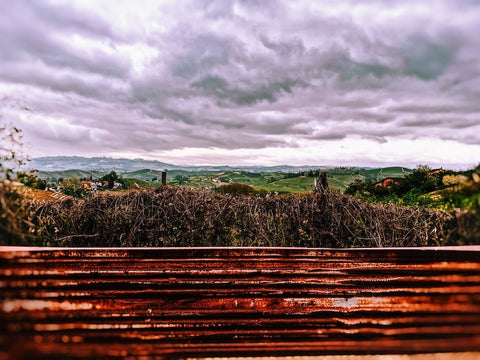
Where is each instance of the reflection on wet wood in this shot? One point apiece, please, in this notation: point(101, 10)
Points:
point(198, 302)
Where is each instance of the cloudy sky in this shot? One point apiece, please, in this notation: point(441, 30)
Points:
point(245, 82)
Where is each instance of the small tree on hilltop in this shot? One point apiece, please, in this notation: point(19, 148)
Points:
point(111, 178)
point(181, 179)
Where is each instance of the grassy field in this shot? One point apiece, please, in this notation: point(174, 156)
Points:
point(338, 179)
point(292, 185)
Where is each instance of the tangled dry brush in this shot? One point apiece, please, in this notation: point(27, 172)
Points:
point(174, 216)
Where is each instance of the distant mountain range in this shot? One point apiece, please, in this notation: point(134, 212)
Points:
point(106, 164)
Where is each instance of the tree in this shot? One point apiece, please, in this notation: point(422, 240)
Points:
point(181, 179)
point(111, 178)
point(419, 179)
point(31, 179)
point(73, 187)
point(359, 187)
point(477, 169)
point(11, 154)
point(14, 209)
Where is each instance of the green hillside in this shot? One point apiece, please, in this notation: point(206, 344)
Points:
point(54, 176)
point(338, 178)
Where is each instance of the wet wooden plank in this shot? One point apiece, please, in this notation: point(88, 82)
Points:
point(198, 302)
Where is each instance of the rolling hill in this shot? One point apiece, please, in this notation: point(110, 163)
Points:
point(261, 178)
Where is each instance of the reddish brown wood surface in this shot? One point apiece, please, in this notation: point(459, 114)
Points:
point(197, 302)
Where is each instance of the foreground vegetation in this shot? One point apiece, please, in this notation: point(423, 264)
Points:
point(426, 187)
point(176, 216)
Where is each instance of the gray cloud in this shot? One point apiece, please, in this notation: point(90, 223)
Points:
point(240, 74)
point(245, 94)
point(69, 18)
point(425, 59)
point(37, 33)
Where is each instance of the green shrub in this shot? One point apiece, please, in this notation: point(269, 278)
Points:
point(73, 187)
point(31, 179)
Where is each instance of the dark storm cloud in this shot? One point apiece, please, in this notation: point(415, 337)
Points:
point(241, 74)
point(426, 59)
point(226, 94)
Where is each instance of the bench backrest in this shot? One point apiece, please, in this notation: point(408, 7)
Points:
point(197, 302)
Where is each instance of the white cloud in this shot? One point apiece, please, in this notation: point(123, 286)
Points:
point(354, 152)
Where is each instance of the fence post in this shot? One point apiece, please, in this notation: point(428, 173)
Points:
point(164, 178)
point(321, 183)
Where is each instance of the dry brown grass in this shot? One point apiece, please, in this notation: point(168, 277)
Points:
point(174, 216)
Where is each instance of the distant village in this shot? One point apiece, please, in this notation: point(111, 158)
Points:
point(96, 185)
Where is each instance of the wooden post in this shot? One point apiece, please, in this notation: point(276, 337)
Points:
point(164, 178)
point(321, 183)
point(322, 179)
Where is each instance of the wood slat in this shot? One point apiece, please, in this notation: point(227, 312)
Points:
point(198, 302)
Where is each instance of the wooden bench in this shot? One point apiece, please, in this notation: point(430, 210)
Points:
point(61, 303)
